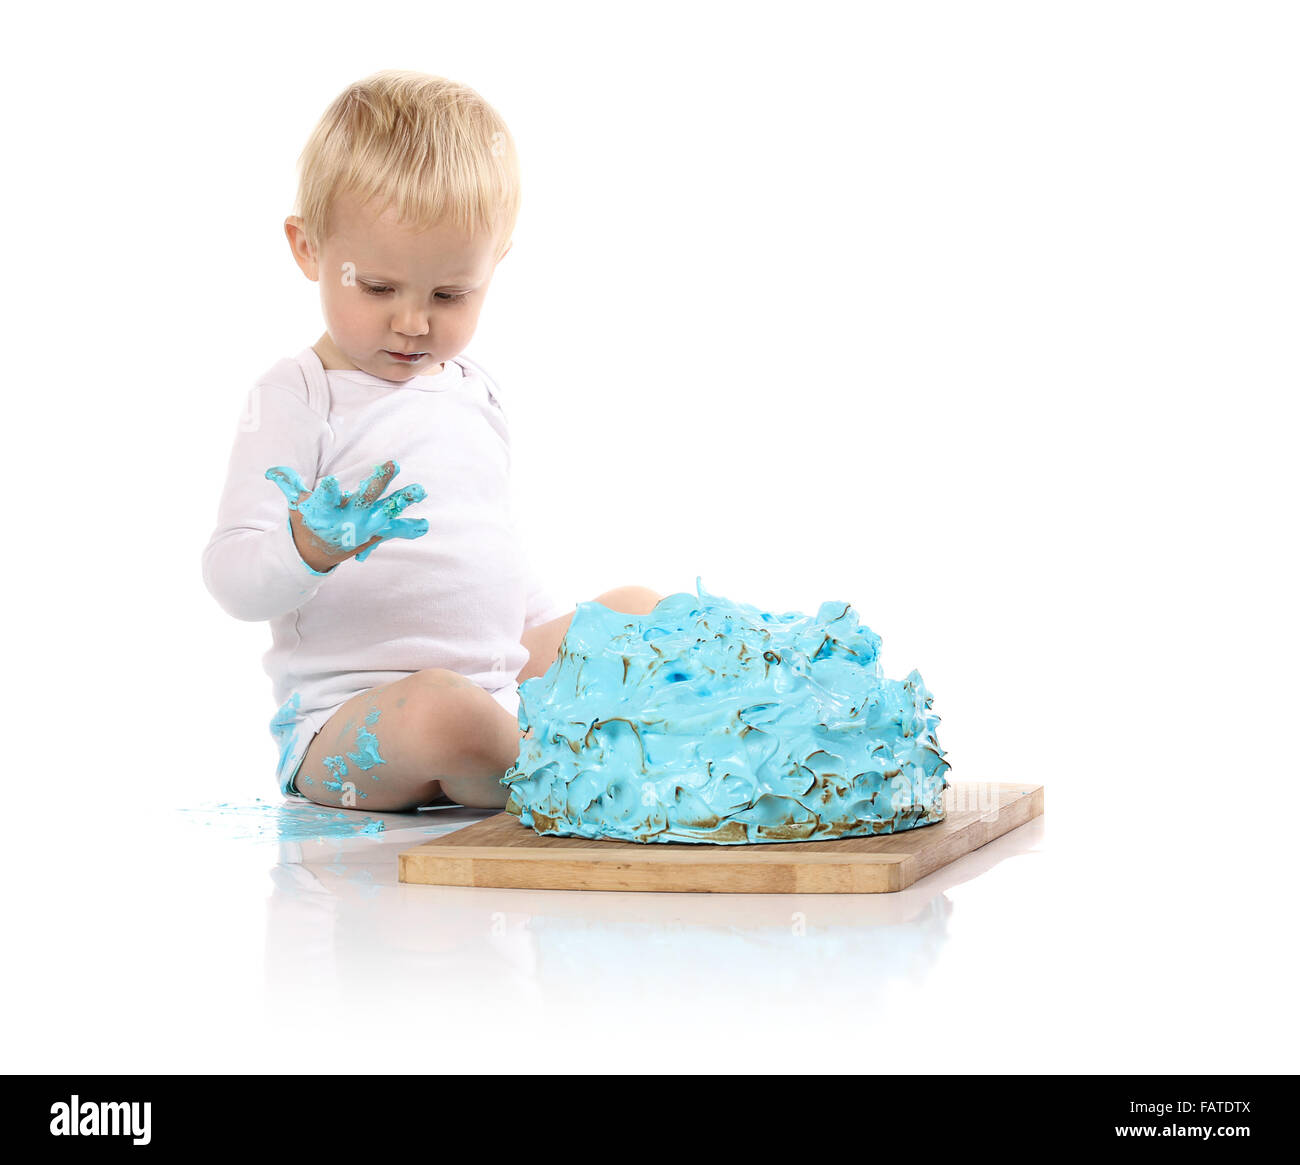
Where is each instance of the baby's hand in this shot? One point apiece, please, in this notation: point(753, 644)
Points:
point(339, 525)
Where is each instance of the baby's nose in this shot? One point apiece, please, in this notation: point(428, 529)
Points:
point(412, 323)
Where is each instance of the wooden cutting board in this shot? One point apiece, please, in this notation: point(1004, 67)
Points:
point(501, 852)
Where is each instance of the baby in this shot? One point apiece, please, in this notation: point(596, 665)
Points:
point(398, 642)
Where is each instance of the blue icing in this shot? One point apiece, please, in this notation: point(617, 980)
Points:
point(285, 725)
point(365, 758)
point(338, 769)
point(708, 720)
point(367, 755)
point(284, 823)
point(344, 521)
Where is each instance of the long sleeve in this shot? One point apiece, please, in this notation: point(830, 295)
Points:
point(251, 565)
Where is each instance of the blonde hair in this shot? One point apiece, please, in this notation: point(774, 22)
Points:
point(426, 146)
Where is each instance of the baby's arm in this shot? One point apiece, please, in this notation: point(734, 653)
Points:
point(251, 564)
point(265, 559)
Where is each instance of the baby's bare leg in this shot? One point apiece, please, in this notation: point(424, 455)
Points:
point(432, 733)
point(543, 641)
point(400, 745)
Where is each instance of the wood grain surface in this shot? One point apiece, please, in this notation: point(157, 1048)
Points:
point(501, 852)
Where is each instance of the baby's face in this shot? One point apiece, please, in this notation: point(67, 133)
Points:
point(387, 290)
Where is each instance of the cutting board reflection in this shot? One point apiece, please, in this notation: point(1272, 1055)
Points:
point(501, 852)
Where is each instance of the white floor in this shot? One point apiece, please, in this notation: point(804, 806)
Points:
point(190, 939)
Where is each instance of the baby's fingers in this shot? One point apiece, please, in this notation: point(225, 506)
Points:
point(405, 528)
point(327, 492)
point(396, 502)
point(289, 482)
point(376, 483)
point(397, 528)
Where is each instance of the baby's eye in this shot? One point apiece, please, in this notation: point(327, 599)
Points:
point(445, 296)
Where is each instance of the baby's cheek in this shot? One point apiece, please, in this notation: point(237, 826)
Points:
point(348, 318)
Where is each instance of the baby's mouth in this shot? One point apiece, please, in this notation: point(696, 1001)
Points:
point(411, 359)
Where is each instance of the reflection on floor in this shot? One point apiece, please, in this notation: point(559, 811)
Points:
point(339, 924)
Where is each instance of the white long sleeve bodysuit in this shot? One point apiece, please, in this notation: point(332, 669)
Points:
point(458, 597)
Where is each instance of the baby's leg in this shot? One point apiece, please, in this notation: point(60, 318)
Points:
point(400, 745)
point(543, 641)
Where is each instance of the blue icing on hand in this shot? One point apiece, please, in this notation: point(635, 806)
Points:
point(344, 521)
point(708, 720)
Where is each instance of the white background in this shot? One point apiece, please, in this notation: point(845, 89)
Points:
point(979, 316)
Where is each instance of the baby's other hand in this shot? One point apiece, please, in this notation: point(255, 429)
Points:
point(330, 526)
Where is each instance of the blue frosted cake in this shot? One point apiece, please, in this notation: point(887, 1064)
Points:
point(712, 721)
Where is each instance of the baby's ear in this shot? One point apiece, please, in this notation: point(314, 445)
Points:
point(300, 248)
point(506, 251)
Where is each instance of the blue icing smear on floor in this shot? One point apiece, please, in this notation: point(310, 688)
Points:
point(267, 822)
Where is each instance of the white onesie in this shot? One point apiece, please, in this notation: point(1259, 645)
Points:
point(458, 597)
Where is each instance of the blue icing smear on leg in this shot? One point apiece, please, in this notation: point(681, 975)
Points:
point(338, 769)
point(337, 766)
point(285, 729)
point(343, 521)
point(708, 720)
point(367, 755)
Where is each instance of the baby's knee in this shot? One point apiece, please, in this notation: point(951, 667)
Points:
point(631, 600)
point(438, 680)
point(450, 719)
point(436, 696)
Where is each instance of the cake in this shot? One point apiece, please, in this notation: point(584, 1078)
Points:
point(711, 721)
